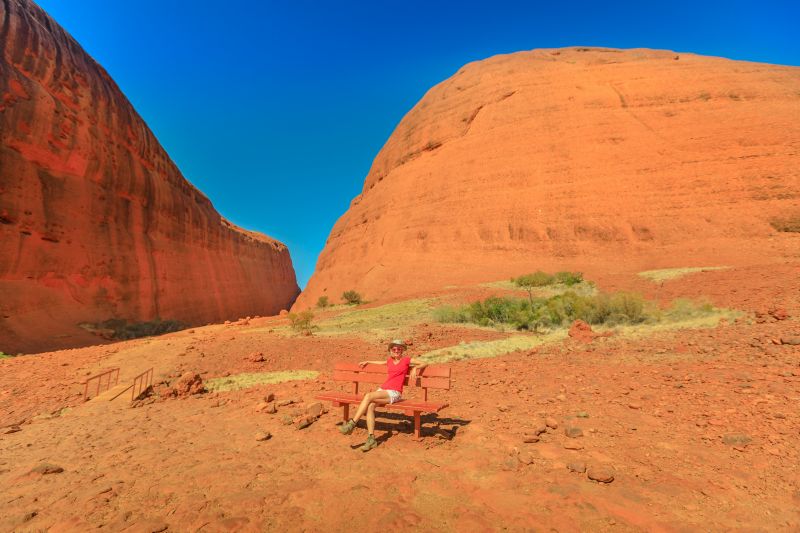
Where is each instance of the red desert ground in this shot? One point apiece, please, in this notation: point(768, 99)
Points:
point(657, 391)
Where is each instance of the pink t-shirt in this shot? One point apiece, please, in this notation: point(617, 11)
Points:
point(396, 374)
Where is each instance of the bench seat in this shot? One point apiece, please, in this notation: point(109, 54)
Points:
point(436, 377)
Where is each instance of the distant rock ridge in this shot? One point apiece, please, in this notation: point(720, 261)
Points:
point(580, 158)
point(96, 222)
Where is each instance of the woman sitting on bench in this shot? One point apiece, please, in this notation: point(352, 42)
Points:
point(390, 392)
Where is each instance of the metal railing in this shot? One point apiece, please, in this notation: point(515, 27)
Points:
point(142, 383)
point(99, 379)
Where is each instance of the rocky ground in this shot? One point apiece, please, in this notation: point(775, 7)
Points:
point(677, 430)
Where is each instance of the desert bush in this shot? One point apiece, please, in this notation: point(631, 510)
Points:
point(568, 278)
point(302, 322)
point(531, 281)
point(322, 302)
point(351, 297)
point(450, 314)
point(556, 311)
point(5, 355)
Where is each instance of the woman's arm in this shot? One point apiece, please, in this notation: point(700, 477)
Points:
point(365, 363)
point(416, 366)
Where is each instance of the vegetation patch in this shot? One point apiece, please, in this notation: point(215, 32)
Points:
point(378, 321)
point(302, 322)
point(674, 273)
point(546, 314)
point(483, 349)
point(245, 381)
point(5, 356)
point(121, 329)
point(352, 298)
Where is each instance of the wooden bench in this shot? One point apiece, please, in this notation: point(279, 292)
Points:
point(430, 377)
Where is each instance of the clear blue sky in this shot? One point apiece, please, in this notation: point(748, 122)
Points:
point(276, 109)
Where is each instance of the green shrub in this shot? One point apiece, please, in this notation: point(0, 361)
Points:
point(5, 355)
point(351, 297)
point(568, 278)
point(302, 322)
point(322, 302)
point(556, 311)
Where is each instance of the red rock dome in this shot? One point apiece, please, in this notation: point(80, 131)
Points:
point(574, 158)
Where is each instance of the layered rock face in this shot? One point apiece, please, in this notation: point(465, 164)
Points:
point(96, 222)
point(574, 158)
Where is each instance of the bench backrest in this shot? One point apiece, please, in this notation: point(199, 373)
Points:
point(430, 377)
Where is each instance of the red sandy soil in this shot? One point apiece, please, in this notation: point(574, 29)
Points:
point(655, 411)
point(96, 222)
point(571, 158)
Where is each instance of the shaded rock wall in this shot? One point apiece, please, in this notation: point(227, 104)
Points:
point(95, 219)
point(574, 158)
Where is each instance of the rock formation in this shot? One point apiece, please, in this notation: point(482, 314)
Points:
point(96, 222)
point(575, 158)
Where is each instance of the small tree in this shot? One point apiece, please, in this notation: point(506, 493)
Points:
point(351, 297)
point(302, 322)
point(531, 281)
point(323, 302)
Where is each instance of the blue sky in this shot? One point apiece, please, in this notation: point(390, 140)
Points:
point(275, 110)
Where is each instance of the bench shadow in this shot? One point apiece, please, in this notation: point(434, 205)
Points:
point(444, 428)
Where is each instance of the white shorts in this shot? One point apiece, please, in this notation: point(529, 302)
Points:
point(394, 396)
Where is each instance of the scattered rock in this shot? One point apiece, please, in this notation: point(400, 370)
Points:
point(737, 439)
point(792, 341)
point(573, 432)
point(582, 414)
point(256, 357)
point(304, 422)
point(271, 408)
point(577, 466)
point(188, 384)
point(269, 397)
point(12, 429)
point(530, 438)
point(551, 423)
point(602, 474)
point(287, 420)
point(283, 403)
point(572, 445)
point(315, 409)
point(526, 458)
point(779, 313)
point(538, 428)
point(265, 435)
point(634, 405)
point(581, 331)
point(46, 468)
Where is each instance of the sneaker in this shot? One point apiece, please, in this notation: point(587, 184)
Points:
point(347, 427)
point(371, 443)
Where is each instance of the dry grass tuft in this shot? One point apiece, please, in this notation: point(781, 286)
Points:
point(674, 273)
point(245, 381)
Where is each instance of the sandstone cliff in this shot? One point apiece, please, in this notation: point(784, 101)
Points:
point(96, 222)
point(574, 158)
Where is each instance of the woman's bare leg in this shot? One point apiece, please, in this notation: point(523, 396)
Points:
point(370, 397)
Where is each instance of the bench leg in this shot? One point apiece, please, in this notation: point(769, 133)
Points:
point(417, 426)
point(346, 411)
